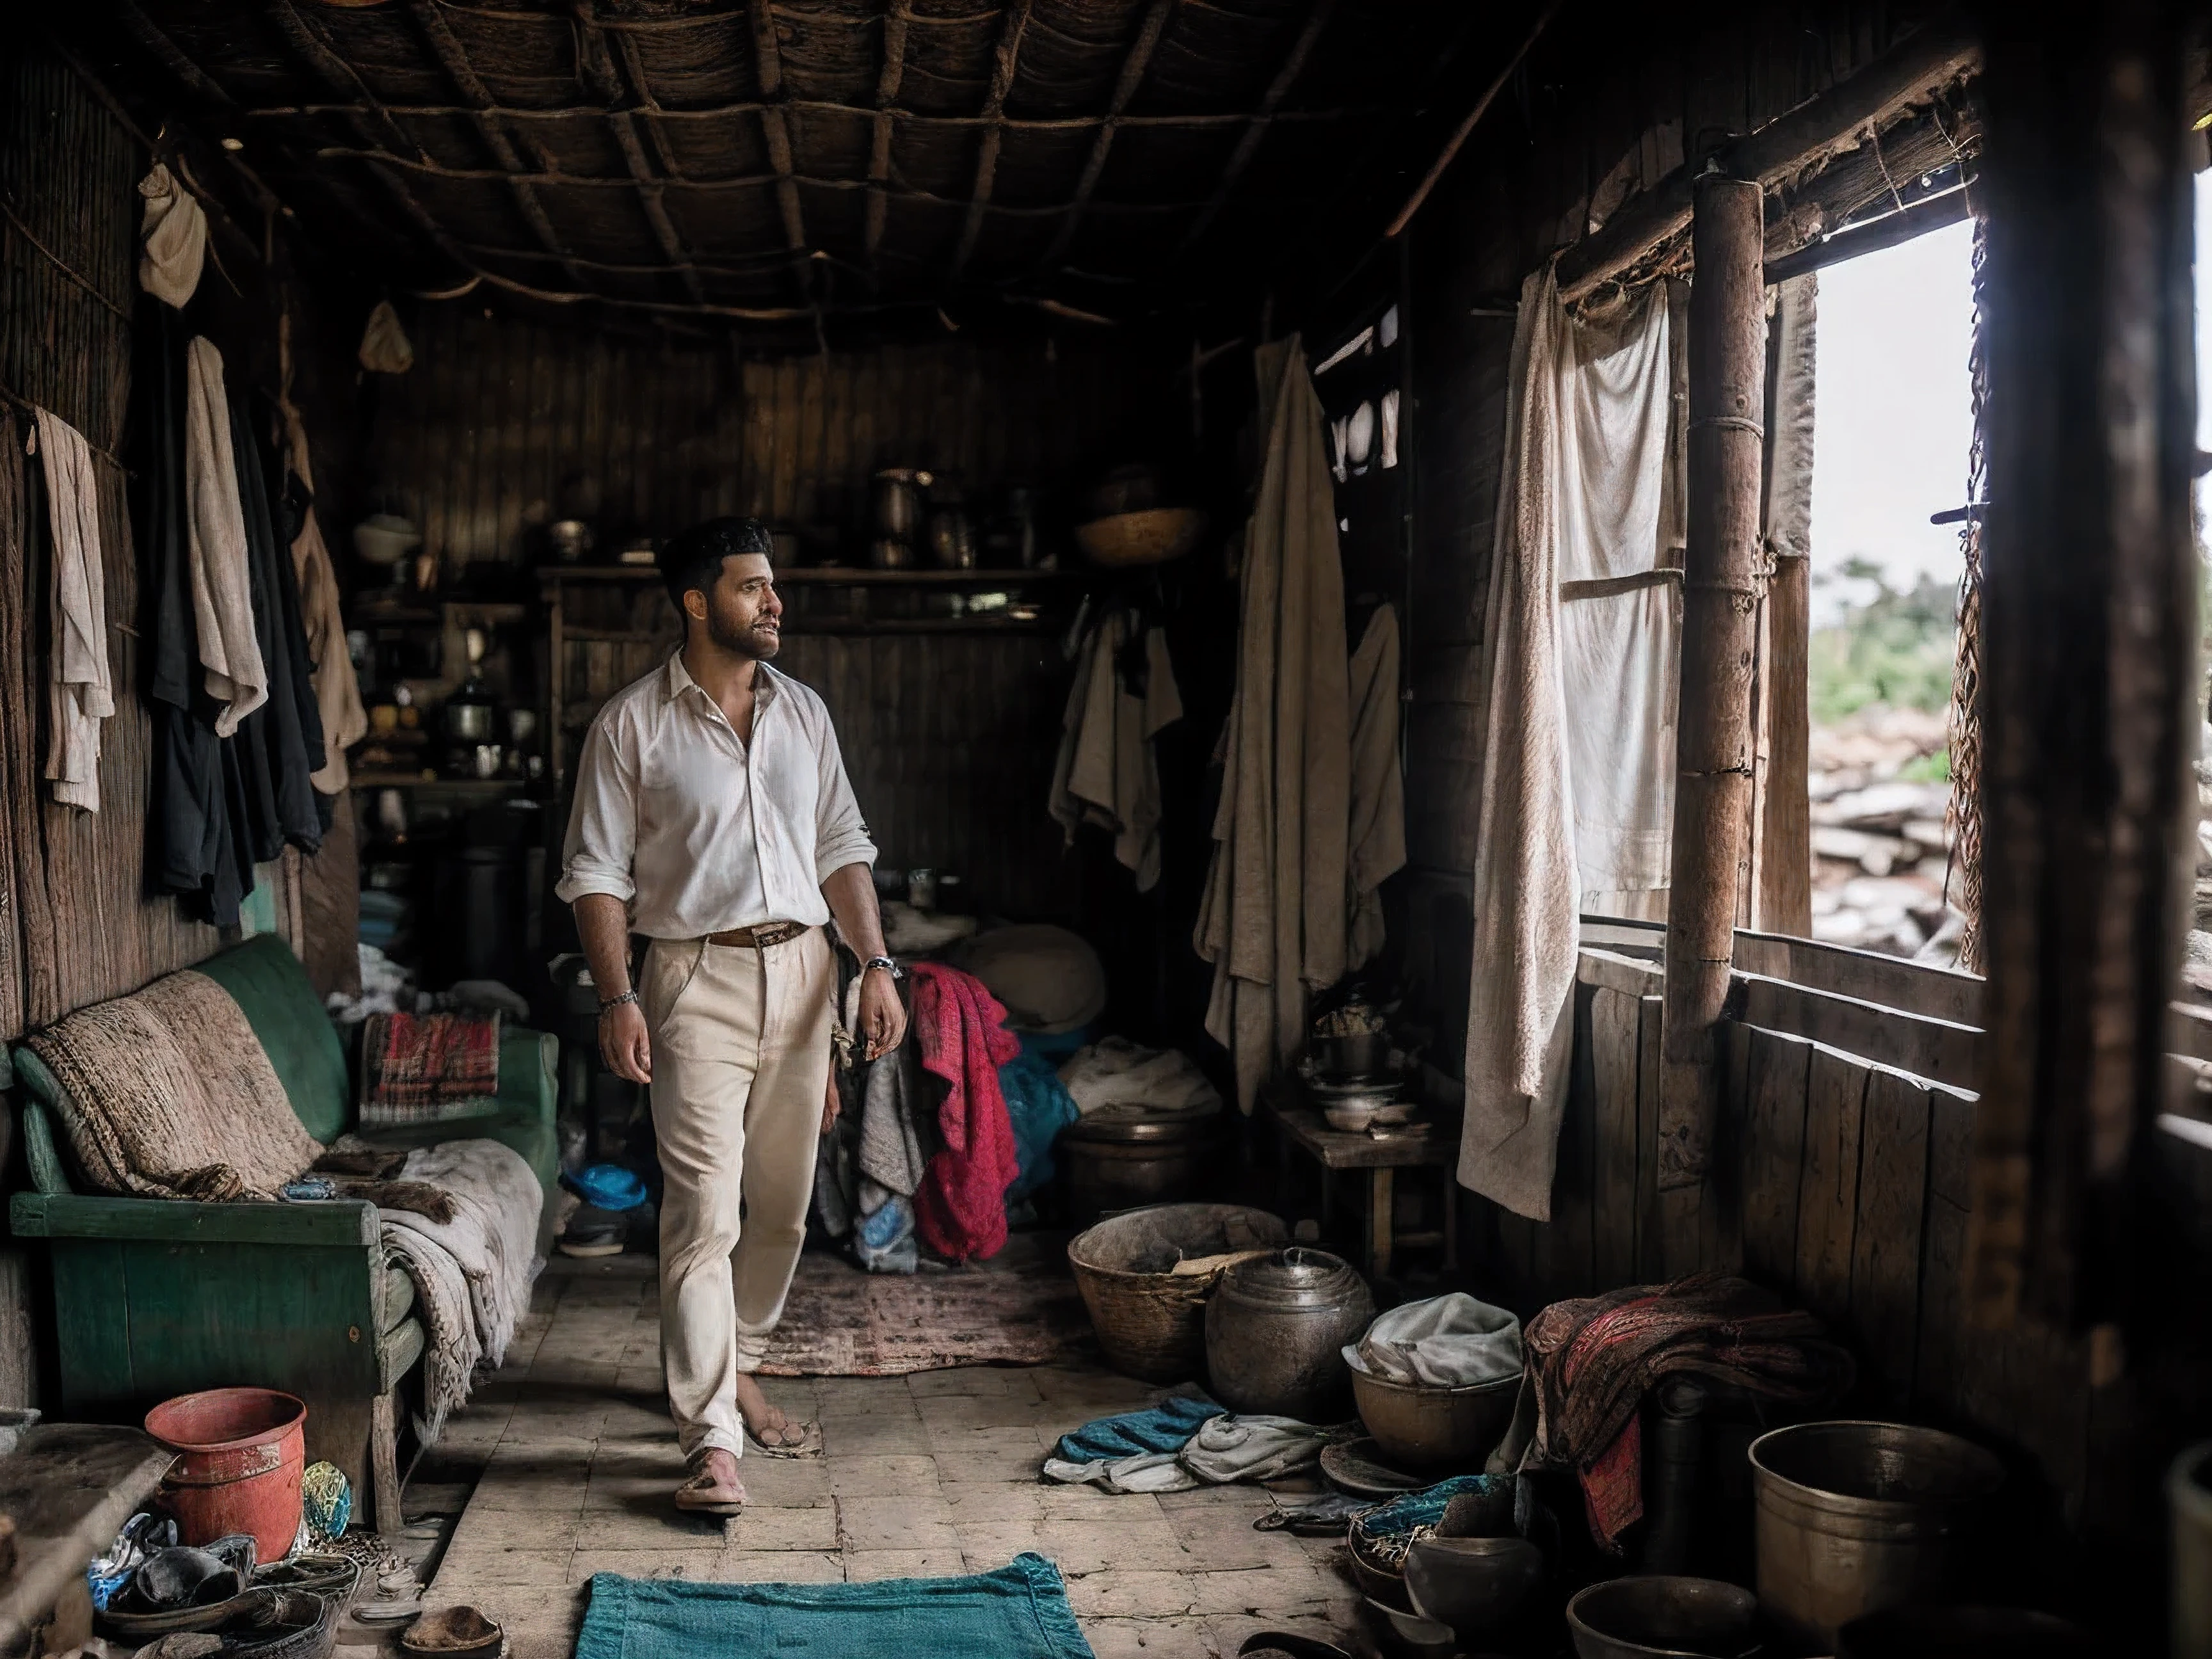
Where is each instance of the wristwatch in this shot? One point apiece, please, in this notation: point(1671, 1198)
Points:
point(889, 964)
point(608, 1005)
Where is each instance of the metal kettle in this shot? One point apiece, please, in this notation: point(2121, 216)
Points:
point(1275, 1332)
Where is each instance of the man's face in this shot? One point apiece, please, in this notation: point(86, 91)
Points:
point(743, 613)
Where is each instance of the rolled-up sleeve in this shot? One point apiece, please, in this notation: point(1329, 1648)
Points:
point(602, 840)
point(840, 835)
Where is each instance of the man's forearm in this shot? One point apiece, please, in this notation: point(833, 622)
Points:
point(603, 922)
point(851, 892)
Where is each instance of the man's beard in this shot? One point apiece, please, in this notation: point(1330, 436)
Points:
point(758, 642)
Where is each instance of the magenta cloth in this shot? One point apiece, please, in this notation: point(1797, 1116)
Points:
point(960, 1209)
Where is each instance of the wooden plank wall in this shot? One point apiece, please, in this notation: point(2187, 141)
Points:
point(474, 443)
point(948, 737)
point(1843, 1186)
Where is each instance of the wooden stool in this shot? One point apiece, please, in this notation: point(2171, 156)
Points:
point(1303, 1128)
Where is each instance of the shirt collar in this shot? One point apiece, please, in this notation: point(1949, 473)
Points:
point(677, 680)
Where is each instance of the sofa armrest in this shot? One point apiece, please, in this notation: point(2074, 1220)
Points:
point(335, 1223)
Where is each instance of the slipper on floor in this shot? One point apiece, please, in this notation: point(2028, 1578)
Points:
point(809, 1444)
point(700, 1495)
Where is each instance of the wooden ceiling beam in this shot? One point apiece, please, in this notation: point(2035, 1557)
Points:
point(1134, 65)
point(623, 125)
point(453, 58)
point(896, 20)
point(768, 63)
point(1191, 120)
point(1006, 61)
point(1248, 145)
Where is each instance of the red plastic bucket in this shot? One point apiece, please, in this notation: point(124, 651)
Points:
point(239, 1454)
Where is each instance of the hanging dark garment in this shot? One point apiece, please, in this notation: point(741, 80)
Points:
point(194, 849)
point(281, 743)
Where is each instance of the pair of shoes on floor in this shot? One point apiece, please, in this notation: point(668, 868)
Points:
point(592, 1231)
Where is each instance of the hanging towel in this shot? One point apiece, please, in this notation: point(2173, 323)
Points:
point(1582, 689)
point(1272, 919)
point(83, 694)
point(172, 239)
point(338, 690)
point(223, 602)
point(1108, 773)
point(1378, 787)
point(960, 1209)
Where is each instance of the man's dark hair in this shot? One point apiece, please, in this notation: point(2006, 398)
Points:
point(693, 557)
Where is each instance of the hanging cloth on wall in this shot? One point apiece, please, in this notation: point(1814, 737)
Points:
point(281, 743)
point(221, 586)
point(385, 349)
point(1378, 788)
point(172, 234)
point(1575, 700)
point(1108, 773)
point(82, 693)
point(1273, 920)
point(193, 848)
point(337, 688)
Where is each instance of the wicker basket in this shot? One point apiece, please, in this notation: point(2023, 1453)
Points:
point(1152, 1324)
point(1151, 536)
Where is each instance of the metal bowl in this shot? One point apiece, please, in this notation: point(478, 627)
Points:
point(1418, 1427)
point(1663, 1617)
point(1473, 1584)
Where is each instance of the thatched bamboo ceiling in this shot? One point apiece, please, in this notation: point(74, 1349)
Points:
point(772, 160)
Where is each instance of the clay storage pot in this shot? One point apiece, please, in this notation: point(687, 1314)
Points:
point(1275, 1332)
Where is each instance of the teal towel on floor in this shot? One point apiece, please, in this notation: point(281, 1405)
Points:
point(1019, 1611)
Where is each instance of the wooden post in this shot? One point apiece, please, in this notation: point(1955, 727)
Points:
point(1721, 585)
point(2090, 620)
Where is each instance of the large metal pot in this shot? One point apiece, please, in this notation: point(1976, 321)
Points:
point(1111, 1165)
point(1855, 1517)
point(898, 502)
point(1275, 1332)
point(952, 538)
point(1416, 1427)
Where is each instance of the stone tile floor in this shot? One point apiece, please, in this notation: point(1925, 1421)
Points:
point(573, 1460)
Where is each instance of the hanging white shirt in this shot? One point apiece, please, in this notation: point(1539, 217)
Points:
point(700, 832)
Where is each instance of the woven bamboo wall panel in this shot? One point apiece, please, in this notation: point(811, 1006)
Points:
point(78, 924)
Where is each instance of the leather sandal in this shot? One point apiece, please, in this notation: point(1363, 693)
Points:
point(702, 1494)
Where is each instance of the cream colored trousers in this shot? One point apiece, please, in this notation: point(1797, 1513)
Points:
point(740, 1065)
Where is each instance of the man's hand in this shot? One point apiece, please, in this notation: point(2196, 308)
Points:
point(883, 1016)
point(623, 1043)
point(832, 1102)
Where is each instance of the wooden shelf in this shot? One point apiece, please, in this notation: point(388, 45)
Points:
point(417, 780)
point(830, 576)
point(616, 636)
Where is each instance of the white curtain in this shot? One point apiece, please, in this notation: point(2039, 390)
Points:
point(1581, 637)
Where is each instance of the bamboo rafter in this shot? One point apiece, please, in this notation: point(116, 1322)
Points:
point(1133, 67)
point(775, 131)
point(623, 125)
point(453, 58)
point(1193, 120)
point(881, 127)
point(1005, 62)
point(1248, 146)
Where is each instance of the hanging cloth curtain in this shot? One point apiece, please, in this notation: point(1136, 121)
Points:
point(82, 693)
point(1581, 694)
point(1273, 920)
point(1378, 791)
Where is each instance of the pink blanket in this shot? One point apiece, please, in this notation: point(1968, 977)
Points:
point(960, 1210)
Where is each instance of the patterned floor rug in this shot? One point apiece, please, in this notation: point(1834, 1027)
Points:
point(1022, 1308)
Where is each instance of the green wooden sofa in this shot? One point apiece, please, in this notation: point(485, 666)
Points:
point(155, 1298)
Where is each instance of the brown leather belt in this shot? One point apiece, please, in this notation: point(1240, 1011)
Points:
point(760, 938)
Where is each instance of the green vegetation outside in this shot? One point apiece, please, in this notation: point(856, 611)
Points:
point(1896, 648)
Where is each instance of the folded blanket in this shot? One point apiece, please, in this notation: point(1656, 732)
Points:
point(168, 1093)
point(472, 1269)
point(424, 1069)
point(1591, 1363)
point(1447, 1342)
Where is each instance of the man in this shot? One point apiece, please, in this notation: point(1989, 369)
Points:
point(713, 816)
